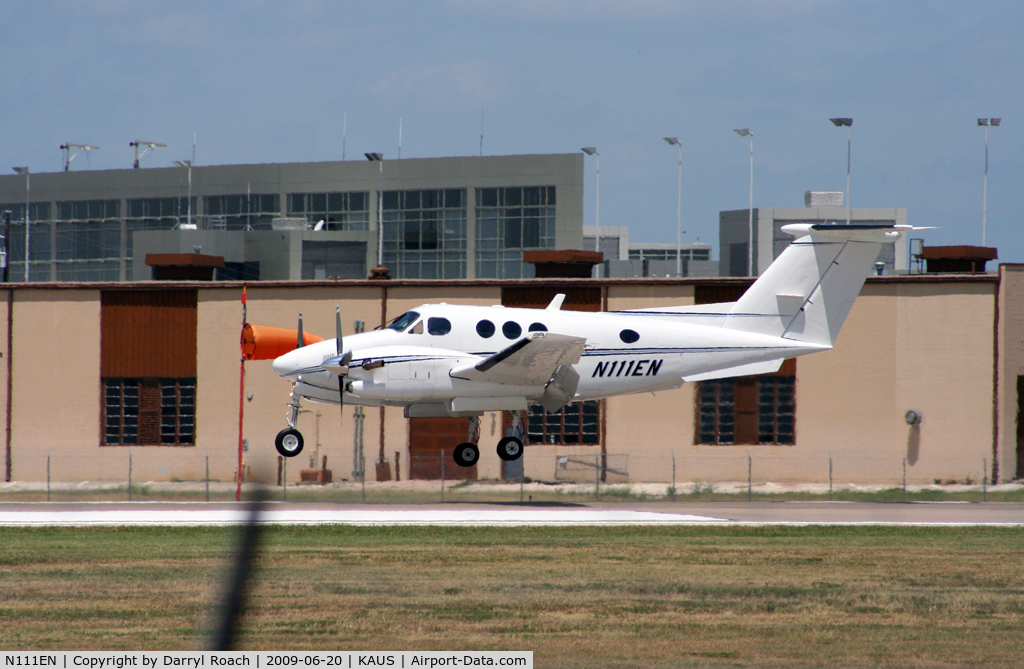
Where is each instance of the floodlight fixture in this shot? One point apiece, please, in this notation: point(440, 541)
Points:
point(374, 156)
point(68, 156)
point(183, 163)
point(147, 147)
point(674, 141)
point(589, 150)
point(842, 121)
point(742, 132)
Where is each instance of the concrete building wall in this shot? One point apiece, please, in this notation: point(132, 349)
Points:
point(770, 241)
point(924, 343)
point(1010, 368)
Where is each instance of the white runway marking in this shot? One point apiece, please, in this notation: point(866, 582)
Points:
point(369, 516)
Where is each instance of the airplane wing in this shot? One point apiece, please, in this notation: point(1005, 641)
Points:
point(530, 361)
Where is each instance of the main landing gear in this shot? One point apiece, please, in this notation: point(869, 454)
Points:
point(289, 441)
point(509, 448)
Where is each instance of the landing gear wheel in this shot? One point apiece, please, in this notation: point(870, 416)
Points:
point(510, 448)
point(289, 442)
point(466, 454)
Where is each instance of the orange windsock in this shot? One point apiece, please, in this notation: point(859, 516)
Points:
point(264, 342)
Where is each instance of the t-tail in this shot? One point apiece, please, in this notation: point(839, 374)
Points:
point(806, 294)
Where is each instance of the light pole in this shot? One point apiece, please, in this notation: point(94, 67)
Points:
point(188, 164)
point(674, 141)
point(984, 203)
point(28, 200)
point(848, 122)
point(379, 158)
point(592, 151)
point(745, 132)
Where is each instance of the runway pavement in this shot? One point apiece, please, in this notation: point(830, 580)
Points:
point(14, 514)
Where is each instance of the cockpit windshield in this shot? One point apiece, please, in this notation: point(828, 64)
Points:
point(403, 321)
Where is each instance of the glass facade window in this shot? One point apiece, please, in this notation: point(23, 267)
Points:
point(155, 213)
point(508, 221)
point(240, 212)
point(87, 241)
point(425, 233)
point(338, 211)
point(669, 254)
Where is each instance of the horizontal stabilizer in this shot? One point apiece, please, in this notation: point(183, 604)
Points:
point(769, 367)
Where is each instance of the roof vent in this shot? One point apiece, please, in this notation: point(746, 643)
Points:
point(823, 198)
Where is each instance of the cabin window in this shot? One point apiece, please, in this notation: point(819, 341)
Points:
point(629, 336)
point(417, 329)
point(538, 327)
point(403, 321)
point(485, 329)
point(749, 409)
point(511, 329)
point(439, 326)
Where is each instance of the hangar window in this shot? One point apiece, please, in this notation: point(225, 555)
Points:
point(749, 409)
point(575, 423)
point(148, 366)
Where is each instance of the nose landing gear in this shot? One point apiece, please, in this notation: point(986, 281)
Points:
point(289, 441)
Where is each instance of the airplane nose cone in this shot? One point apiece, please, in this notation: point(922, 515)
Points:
point(284, 365)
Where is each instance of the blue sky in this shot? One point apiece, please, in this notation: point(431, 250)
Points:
point(272, 82)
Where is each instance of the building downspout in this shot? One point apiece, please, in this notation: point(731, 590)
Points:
point(8, 466)
point(995, 379)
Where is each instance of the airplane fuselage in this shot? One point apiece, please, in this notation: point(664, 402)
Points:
point(411, 361)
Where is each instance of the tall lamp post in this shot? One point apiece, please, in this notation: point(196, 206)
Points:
point(28, 200)
point(848, 122)
point(745, 132)
point(984, 202)
point(674, 141)
point(379, 158)
point(592, 151)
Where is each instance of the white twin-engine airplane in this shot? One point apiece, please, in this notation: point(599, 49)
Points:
point(451, 360)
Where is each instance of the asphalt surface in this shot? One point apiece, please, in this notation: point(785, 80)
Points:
point(477, 514)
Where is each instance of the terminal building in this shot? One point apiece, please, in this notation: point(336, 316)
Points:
point(764, 225)
point(442, 218)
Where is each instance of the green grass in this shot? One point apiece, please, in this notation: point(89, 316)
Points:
point(578, 597)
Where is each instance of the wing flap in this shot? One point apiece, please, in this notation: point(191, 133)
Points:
point(530, 361)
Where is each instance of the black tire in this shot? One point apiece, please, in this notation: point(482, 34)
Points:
point(509, 449)
point(289, 442)
point(466, 455)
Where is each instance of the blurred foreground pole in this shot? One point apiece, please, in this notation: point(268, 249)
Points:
point(232, 602)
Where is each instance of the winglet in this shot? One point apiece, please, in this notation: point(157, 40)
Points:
point(556, 303)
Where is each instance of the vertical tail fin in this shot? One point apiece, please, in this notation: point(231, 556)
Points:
point(808, 291)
